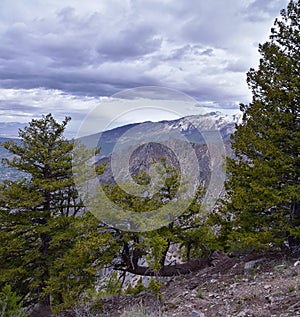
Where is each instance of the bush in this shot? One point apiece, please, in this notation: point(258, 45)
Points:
point(155, 287)
point(10, 304)
point(137, 289)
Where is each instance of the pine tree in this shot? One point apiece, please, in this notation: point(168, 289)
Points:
point(10, 305)
point(263, 198)
point(188, 234)
point(37, 212)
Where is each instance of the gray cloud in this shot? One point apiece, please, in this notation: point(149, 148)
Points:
point(238, 66)
point(186, 51)
point(100, 47)
point(8, 105)
point(129, 43)
point(261, 10)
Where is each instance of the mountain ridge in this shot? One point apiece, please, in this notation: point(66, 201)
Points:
point(189, 128)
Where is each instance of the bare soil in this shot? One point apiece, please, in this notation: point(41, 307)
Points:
point(261, 285)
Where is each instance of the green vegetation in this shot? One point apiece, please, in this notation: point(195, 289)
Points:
point(53, 250)
point(35, 211)
point(262, 203)
point(291, 288)
point(38, 224)
point(10, 304)
point(137, 289)
point(186, 231)
point(200, 294)
point(155, 287)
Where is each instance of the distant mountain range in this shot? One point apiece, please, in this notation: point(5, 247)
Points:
point(148, 142)
point(196, 130)
point(189, 127)
point(10, 129)
point(7, 173)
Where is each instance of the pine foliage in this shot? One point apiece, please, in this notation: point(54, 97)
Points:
point(37, 213)
point(263, 190)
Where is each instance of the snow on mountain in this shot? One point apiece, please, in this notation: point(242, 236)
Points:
point(143, 143)
point(208, 122)
point(126, 136)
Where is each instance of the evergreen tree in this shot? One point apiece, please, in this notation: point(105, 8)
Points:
point(101, 247)
point(262, 202)
point(37, 213)
point(188, 234)
point(10, 305)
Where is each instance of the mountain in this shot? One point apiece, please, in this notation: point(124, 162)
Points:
point(7, 173)
point(146, 140)
point(8, 132)
point(190, 128)
point(194, 145)
point(10, 129)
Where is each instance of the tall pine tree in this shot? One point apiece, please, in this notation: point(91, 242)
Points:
point(263, 191)
point(37, 212)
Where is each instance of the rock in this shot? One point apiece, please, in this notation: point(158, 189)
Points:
point(195, 313)
point(217, 257)
point(250, 265)
point(41, 310)
point(193, 285)
point(237, 293)
point(269, 299)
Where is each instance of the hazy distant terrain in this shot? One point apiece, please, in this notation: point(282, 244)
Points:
point(126, 137)
point(7, 173)
point(10, 129)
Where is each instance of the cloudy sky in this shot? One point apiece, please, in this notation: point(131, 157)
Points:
point(66, 57)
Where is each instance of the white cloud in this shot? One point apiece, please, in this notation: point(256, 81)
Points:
point(97, 48)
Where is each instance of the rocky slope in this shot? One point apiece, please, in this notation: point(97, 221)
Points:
point(196, 129)
point(265, 285)
point(205, 136)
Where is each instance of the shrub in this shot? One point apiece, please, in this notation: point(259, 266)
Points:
point(10, 304)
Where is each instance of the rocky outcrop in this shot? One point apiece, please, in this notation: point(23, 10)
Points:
point(269, 288)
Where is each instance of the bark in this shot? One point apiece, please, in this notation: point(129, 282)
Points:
point(295, 210)
point(171, 270)
point(295, 214)
point(41, 310)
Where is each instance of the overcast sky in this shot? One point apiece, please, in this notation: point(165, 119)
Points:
point(65, 56)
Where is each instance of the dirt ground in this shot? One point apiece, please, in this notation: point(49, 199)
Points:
point(262, 285)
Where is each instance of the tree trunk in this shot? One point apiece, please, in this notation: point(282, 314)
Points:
point(46, 239)
point(295, 209)
point(295, 215)
point(171, 270)
point(41, 310)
